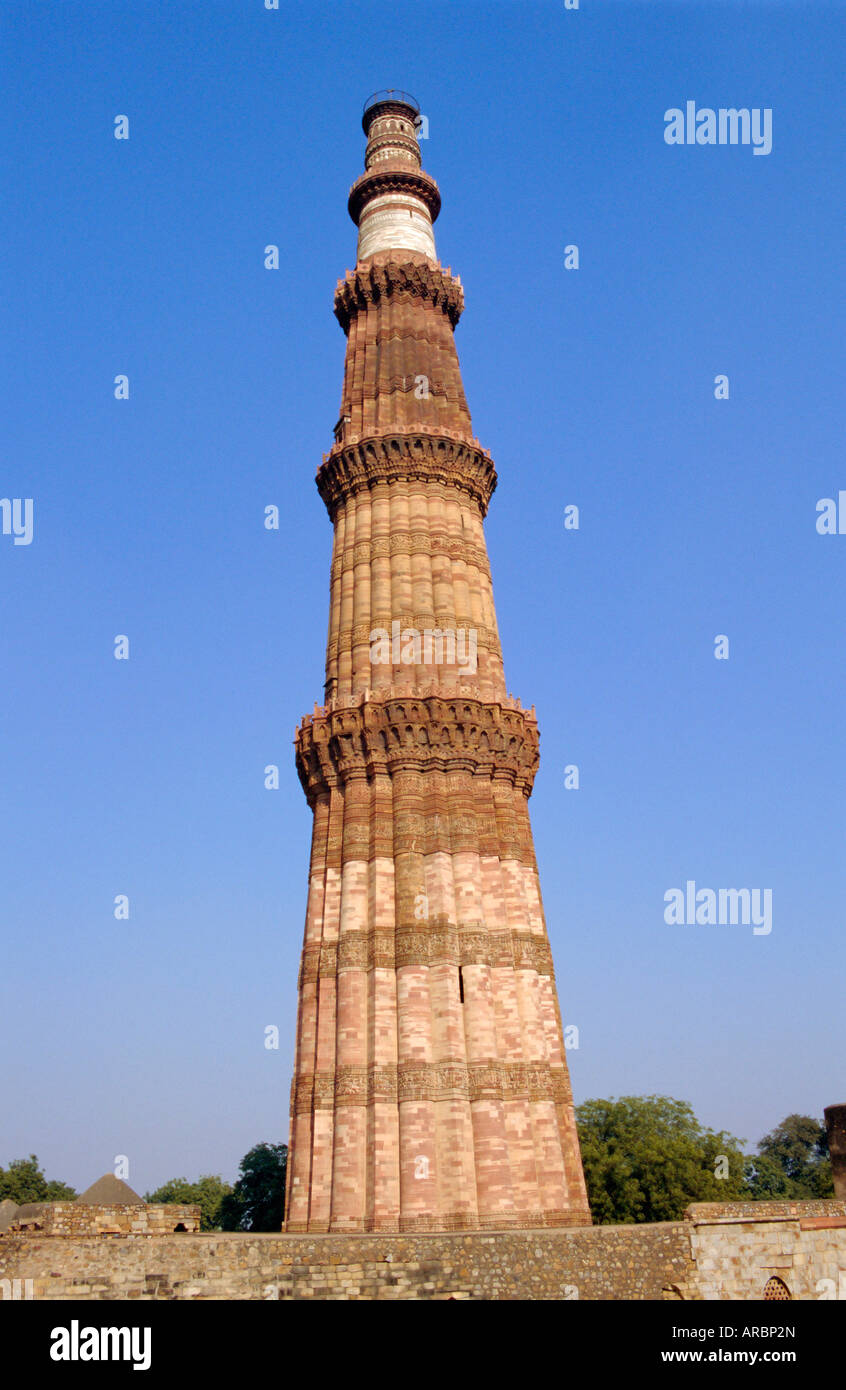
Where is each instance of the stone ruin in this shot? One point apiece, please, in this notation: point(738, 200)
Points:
point(108, 1207)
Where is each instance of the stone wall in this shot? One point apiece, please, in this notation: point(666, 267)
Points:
point(588, 1262)
point(720, 1251)
point(737, 1248)
point(82, 1219)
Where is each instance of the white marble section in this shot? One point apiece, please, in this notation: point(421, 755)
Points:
point(396, 222)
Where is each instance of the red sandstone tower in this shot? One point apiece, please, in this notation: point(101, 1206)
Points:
point(431, 1090)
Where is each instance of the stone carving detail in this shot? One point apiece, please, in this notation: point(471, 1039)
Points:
point(452, 1221)
point(352, 951)
point(376, 182)
point(302, 1094)
point(387, 385)
point(324, 1090)
point(351, 1085)
point(433, 1081)
point(372, 281)
point(422, 734)
point(410, 543)
point(429, 943)
point(328, 959)
point(347, 637)
point(388, 458)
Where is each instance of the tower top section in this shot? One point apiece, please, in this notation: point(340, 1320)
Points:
point(394, 203)
point(392, 97)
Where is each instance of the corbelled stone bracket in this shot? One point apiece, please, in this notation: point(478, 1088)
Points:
point(379, 279)
point(412, 734)
point(390, 458)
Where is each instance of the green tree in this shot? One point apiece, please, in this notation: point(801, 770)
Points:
point(208, 1192)
point(647, 1157)
point(792, 1162)
point(257, 1202)
point(23, 1181)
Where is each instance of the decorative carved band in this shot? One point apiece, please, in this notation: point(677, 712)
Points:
point(372, 281)
point(376, 182)
point(446, 1221)
point(400, 385)
point(409, 543)
point(416, 734)
point(537, 1082)
point(389, 458)
point(360, 635)
point(520, 1220)
point(429, 944)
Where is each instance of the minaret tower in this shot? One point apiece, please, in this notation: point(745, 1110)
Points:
point(431, 1090)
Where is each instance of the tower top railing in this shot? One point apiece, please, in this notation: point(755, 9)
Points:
point(392, 94)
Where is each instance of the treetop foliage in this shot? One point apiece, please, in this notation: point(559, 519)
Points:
point(646, 1158)
point(23, 1182)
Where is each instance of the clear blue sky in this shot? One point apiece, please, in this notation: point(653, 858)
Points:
point(595, 387)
